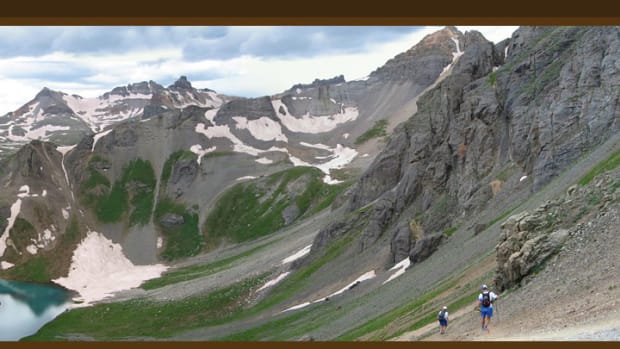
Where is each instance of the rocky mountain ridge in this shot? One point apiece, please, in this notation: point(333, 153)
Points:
point(64, 119)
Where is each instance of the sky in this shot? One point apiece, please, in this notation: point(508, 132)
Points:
point(248, 61)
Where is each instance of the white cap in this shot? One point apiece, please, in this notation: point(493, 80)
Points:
point(484, 287)
point(444, 307)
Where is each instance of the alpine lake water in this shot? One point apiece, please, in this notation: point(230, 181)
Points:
point(26, 307)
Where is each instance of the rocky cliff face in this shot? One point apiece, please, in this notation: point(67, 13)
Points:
point(502, 119)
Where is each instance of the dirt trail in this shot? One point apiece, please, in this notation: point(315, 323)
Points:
point(575, 297)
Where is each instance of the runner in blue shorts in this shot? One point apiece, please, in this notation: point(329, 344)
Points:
point(443, 320)
point(485, 302)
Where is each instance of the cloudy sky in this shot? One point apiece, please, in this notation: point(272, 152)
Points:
point(243, 61)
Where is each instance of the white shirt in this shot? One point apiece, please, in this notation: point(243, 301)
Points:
point(492, 297)
point(445, 316)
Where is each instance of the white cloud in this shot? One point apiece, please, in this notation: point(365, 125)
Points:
point(246, 74)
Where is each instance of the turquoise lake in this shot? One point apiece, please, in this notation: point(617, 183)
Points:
point(26, 307)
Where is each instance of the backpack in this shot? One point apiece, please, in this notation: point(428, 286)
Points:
point(486, 299)
point(442, 315)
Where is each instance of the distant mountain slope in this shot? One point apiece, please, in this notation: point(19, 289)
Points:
point(64, 119)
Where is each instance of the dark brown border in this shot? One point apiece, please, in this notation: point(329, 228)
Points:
point(191, 21)
point(310, 12)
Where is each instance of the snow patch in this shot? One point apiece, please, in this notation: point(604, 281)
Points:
point(99, 268)
point(314, 124)
point(245, 177)
point(44, 239)
point(366, 276)
point(273, 281)
point(522, 178)
point(64, 151)
point(15, 209)
point(95, 111)
point(317, 146)
point(39, 133)
point(210, 115)
point(44, 193)
point(97, 137)
point(458, 52)
point(304, 251)
point(24, 191)
point(32, 249)
point(341, 157)
point(264, 161)
point(346, 136)
point(6, 265)
point(455, 56)
point(160, 242)
point(197, 149)
point(223, 131)
point(400, 268)
point(298, 306)
point(65, 213)
point(47, 234)
point(263, 129)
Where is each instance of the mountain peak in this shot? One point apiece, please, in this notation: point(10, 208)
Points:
point(46, 92)
point(182, 83)
point(425, 61)
point(438, 38)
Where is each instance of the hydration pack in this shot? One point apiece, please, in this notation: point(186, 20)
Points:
point(486, 299)
point(442, 315)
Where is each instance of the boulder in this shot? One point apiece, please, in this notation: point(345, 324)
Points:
point(424, 247)
point(172, 219)
point(290, 214)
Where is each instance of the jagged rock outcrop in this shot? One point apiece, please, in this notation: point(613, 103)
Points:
point(401, 243)
point(525, 244)
point(181, 84)
point(319, 82)
point(143, 87)
point(252, 108)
